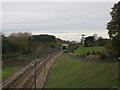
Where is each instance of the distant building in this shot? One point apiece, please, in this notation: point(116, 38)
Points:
point(64, 46)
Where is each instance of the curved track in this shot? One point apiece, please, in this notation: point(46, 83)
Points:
point(26, 78)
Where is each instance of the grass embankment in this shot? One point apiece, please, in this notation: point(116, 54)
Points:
point(13, 65)
point(85, 50)
point(6, 73)
point(69, 72)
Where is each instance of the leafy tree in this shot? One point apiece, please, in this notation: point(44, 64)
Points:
point(89, 41)
point(43, 38)
point(20, 34)
point(82, 38)
point(95, 37)
point(114, 28)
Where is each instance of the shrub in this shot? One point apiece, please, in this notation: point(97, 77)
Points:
point(88, 53)
point(93, 52)
point(103, 56)
point(98, 52)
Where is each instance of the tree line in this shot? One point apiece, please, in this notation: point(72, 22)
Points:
point(25, 43)
point(95, 40)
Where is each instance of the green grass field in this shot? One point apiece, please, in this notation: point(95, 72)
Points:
point(84, 50)
point(69, 72)
point(12, 65)
point(6, 73)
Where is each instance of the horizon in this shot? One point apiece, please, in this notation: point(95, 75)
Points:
point(86, 35)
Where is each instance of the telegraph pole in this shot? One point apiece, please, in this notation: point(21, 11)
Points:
point(45, 66)
point(35, 75)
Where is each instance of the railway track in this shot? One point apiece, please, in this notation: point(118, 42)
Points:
point(25, 78)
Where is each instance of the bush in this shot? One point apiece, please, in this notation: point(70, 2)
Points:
point(88, 53)
point(98, 52)
point(9, 55)
point(93, 52)
point(102, 56)
point(72, 47)
point(111, 53)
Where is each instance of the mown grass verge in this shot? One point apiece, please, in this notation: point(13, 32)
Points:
point(69, 72)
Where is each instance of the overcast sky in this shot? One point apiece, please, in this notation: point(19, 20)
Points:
point(66, 20)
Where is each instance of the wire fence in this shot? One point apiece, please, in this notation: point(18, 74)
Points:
point(107, 60)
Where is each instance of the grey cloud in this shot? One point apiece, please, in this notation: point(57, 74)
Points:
point(56, 17)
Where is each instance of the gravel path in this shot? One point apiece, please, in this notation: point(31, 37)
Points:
point(41, 79)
